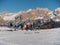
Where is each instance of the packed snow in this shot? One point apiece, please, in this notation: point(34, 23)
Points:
point(41, 37)
point(5, 28)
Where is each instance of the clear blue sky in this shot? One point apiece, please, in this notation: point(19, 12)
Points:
point(18, 5)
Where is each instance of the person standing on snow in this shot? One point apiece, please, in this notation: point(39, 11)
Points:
point(30, 26)
point(27, 26)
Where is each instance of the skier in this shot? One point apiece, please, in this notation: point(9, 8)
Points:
point(27, 26)
point(30, 26)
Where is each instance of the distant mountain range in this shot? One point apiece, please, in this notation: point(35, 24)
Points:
point(30, 14)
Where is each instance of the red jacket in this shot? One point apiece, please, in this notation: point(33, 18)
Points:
point(27, 26)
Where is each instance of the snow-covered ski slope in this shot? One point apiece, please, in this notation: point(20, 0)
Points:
point(42, 37)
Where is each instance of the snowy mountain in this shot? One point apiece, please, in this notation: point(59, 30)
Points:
point(31, 14)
